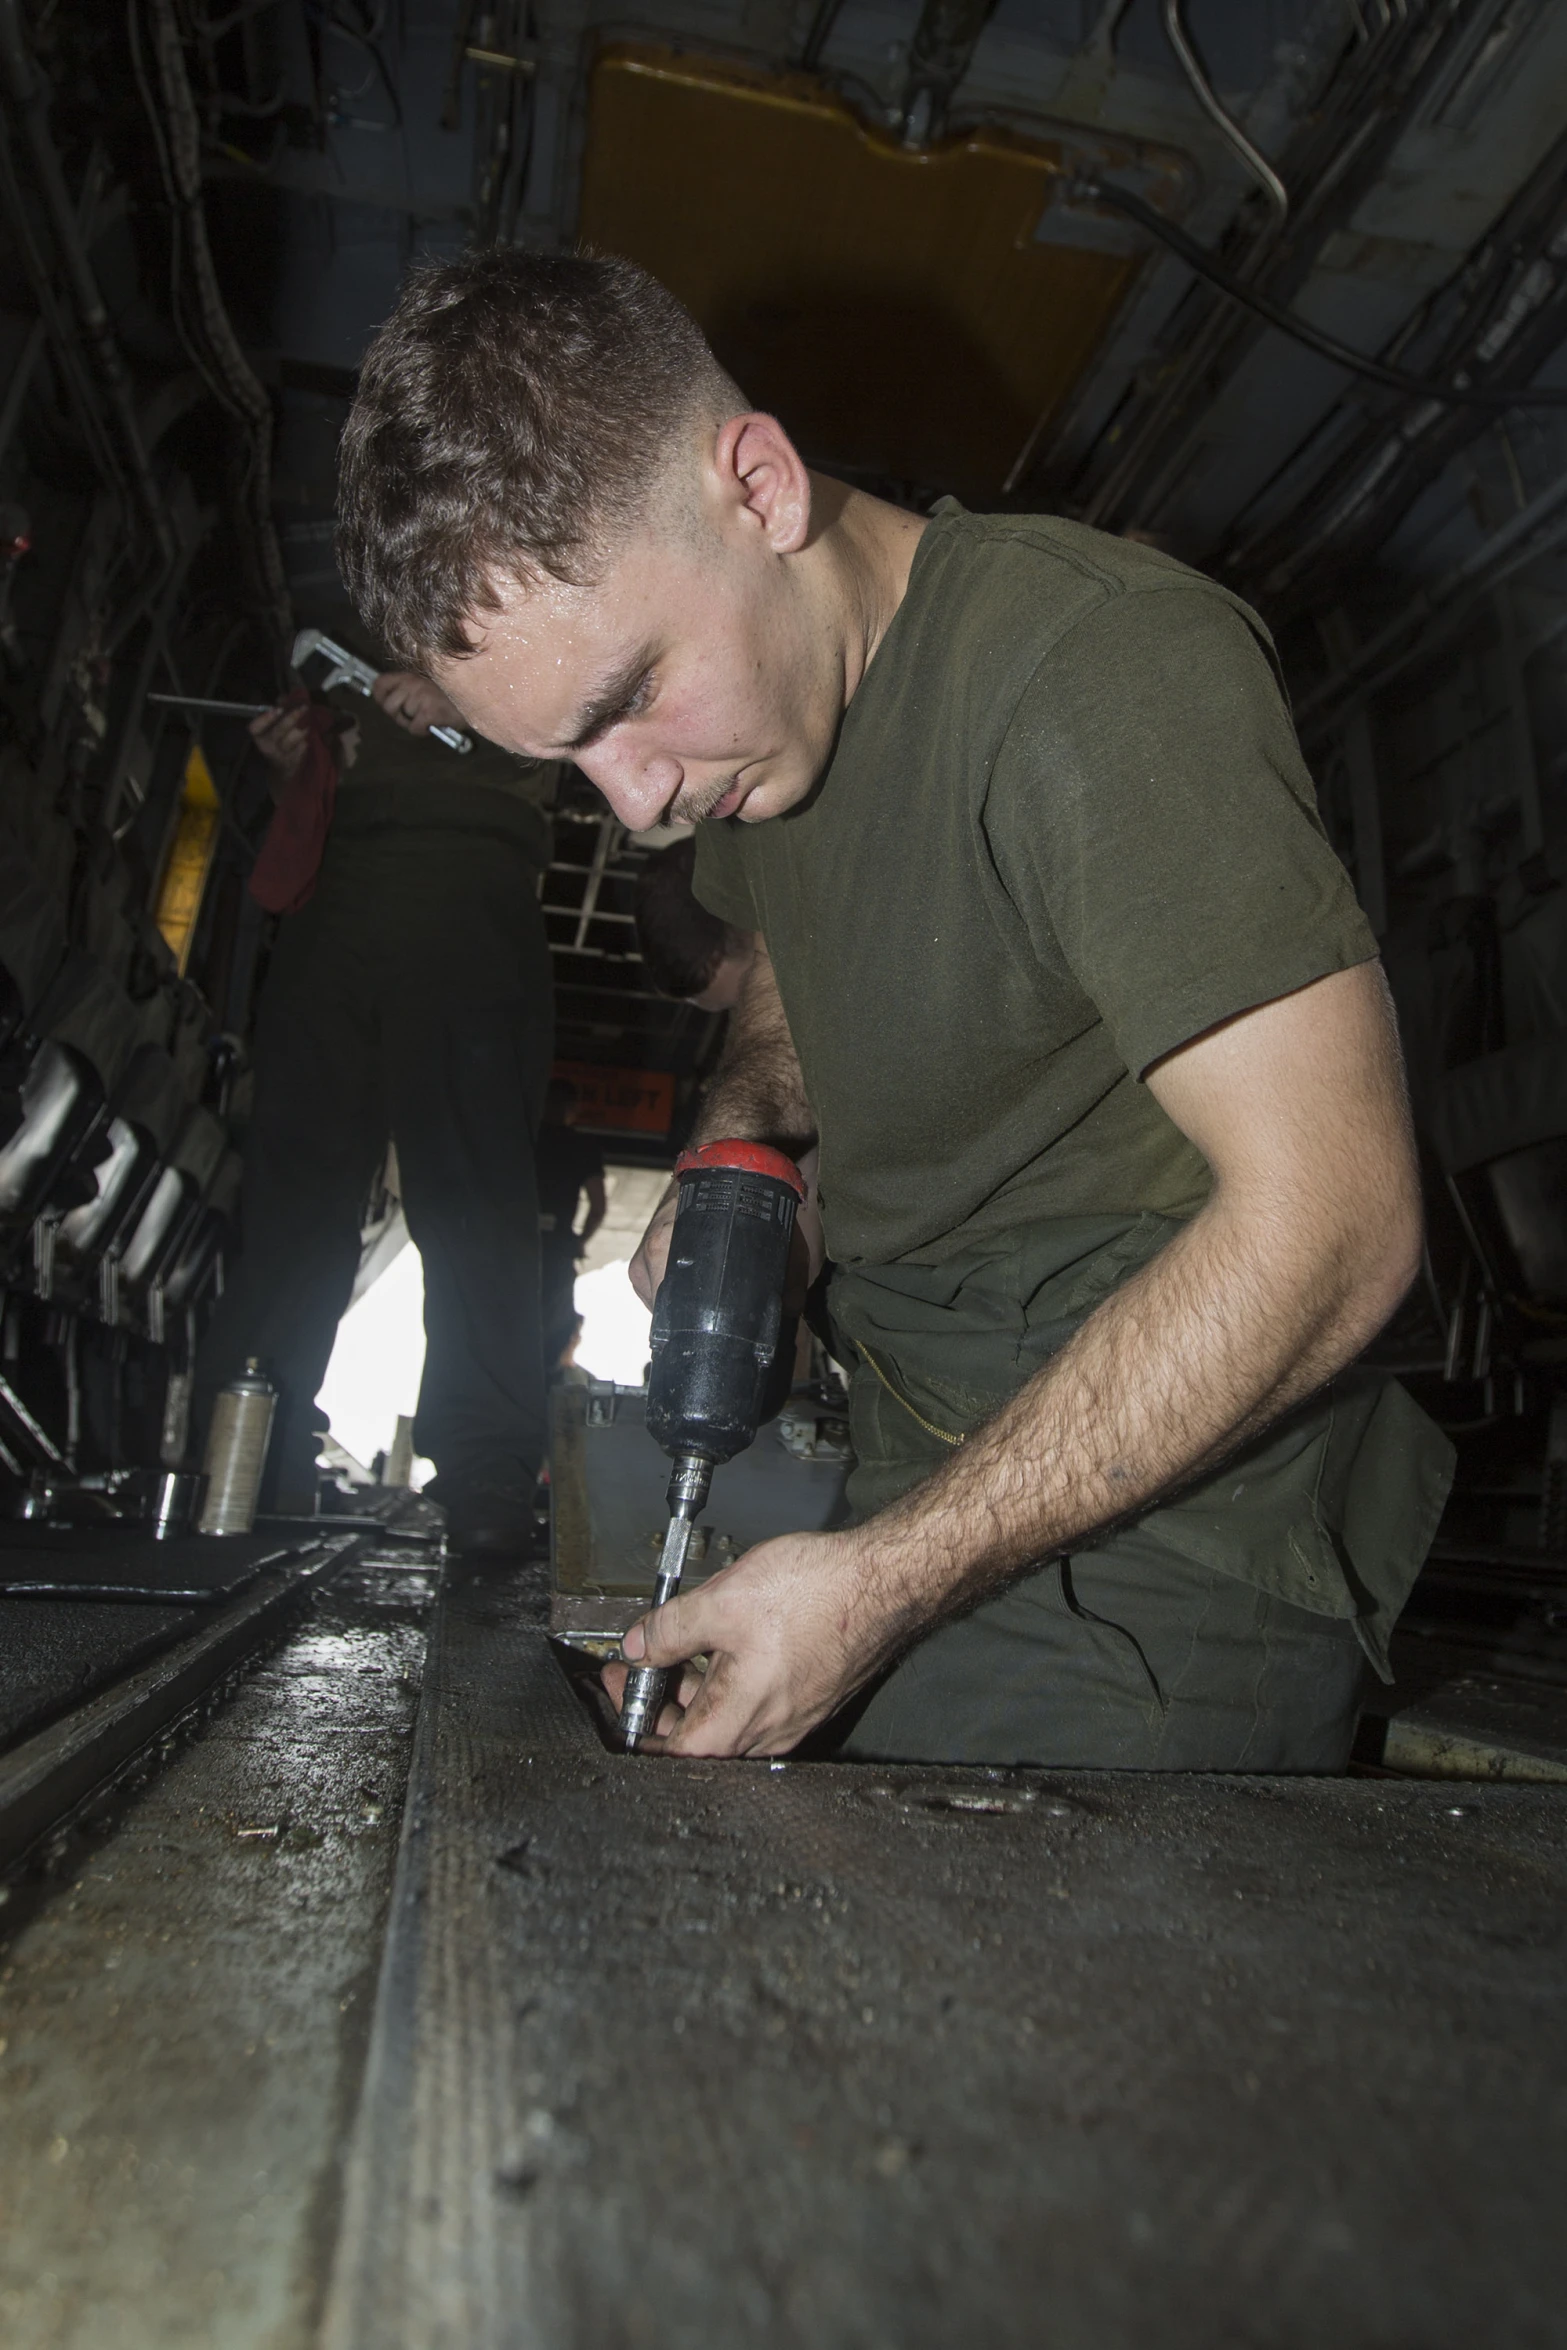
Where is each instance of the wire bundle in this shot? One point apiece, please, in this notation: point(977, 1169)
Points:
point(206, 331)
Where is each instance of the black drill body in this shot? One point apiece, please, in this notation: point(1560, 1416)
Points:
point(720, 1366)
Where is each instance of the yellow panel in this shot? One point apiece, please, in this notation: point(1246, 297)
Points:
point(891, 305)
point(190, 858)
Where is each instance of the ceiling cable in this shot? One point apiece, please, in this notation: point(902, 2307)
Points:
point(822, 22)
point(1225, 124)
point(1392, 379)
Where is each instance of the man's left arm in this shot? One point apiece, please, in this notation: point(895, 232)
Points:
point(1310, 1238)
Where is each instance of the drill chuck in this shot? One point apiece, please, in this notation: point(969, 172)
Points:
point(646, 1685)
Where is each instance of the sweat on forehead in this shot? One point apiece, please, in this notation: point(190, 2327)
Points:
point(554, 666)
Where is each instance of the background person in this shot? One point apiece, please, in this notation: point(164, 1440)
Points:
point(570, 1165)
point(408, 998)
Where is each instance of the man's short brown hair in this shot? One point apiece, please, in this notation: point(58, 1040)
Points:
point(513, 414)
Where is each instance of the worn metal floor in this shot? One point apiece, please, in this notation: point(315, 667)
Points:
point(185, 1997)
point(679, 2056)
point(684, 2057)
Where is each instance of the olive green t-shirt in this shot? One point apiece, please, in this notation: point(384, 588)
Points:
point(1066, 828)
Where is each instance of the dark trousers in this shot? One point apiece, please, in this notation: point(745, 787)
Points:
point(410, 998)
point(1227, 1628)
point(1125, 1657)
point(1133, 1660)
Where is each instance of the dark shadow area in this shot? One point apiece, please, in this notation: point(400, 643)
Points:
point(878, 386)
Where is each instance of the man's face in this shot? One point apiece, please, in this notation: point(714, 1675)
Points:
point(692, 680)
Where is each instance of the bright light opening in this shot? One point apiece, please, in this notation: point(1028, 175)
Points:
point(378, 1358)
point(615, 1325)
point(378, 1361)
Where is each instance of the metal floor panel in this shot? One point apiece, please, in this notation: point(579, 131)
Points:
point(54, 1653)
point(107, 1555)
point(76, 1757)
point(679, 2057)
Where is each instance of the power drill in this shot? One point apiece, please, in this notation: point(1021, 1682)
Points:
point(718, 1327)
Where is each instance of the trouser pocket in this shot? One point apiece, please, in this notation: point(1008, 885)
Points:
point(1123, 1655)
point(892, 1451)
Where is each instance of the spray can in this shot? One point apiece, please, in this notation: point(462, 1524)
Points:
point(237, 1452)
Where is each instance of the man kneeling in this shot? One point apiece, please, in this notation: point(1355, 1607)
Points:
point(1057, 965)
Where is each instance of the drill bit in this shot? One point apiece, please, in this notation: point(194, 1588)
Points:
point(646, 1685)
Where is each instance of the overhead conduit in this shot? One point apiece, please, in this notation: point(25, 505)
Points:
point(29, 95)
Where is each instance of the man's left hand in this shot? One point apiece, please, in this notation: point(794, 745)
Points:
point(414, 701)
point(790, 1631)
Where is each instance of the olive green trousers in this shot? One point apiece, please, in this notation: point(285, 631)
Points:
point(1229, 1629)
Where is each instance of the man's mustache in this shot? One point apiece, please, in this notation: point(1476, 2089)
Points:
point(696, 807)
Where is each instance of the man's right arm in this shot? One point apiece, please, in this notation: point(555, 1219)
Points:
point(757, 1095)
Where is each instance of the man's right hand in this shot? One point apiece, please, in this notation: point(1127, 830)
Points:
point(758, 1093)
point(647, 1266)
point(415, 702)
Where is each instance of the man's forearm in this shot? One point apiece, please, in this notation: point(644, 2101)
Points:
point(1202, 1348)
point(756, 1095)
point(1309, 1240)
point(757, 1091)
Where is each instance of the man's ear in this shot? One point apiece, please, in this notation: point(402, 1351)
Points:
point(761, 482)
